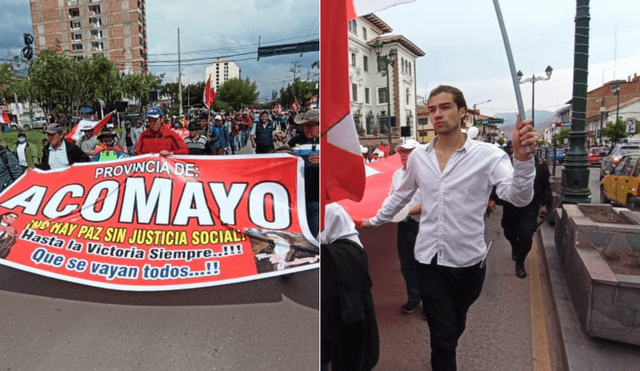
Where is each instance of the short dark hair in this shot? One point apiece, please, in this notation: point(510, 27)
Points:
point(458, 98)
point(264, 113)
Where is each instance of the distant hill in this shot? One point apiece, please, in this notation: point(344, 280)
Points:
point(544, 119)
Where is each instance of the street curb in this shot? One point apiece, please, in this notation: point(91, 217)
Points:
point(553, 275)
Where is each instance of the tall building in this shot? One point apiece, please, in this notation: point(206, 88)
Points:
point(221, 72)
point(114, 28)
point(370, 97)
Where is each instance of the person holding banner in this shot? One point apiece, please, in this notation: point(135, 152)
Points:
point(87, 141)
point(159, 138)
point(60, 153)
point(455, 176)
point(261, 134)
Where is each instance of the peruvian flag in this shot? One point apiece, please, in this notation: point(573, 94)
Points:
point(276, 109)
point(356, 8)
point(311, 101)
point(4, 117)
point(343, 172)
point(76, 132)
point(209, 94)
point(295, 106)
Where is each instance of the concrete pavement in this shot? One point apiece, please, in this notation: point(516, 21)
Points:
point(580, 351)
point(499, 334)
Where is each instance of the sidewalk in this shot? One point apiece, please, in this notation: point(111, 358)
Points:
point(581, 351)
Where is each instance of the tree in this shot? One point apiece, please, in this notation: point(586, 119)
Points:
point(236, 94)
point(65, 84)
point(561, 136)
point(139, 86)
point(302, 90)
point(616, 131)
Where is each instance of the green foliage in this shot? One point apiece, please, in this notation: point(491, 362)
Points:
point(64, 84)
point(303, 90)
point(9, 83)
point(236, 94)
point(616, 131)
point(561, 136)
point(139, 86)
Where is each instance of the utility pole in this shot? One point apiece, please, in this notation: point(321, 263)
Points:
point(179, 77)
point(295, 69)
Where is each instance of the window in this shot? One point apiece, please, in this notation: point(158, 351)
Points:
point(353, 27)
point(410, 72)
point(353, 59)
point(96, 34)
point(366, 95)
point(95, 9)
point(95, 21)
point(364, 33)
point(365, 63)
point(77, 46)
point(383, 95)
point(354, 92)
point(97, 44)
point(76, 36)
point(408, 96)
point(74, 12)
point(402, 65)
point(75, 25)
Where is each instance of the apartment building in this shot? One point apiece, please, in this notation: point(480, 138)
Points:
point(82, 28)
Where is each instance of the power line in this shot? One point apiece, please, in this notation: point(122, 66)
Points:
point(225, 48)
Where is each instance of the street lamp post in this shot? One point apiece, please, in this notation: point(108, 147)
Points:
point(533, 80)
point(389, 59)
point(616, 90)
point(602, 109)
point(474, 111)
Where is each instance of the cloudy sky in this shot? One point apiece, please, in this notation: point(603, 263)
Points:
point(208, 29)
point(464, 47)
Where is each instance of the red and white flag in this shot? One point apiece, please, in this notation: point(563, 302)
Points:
point(276, 109)
point(209, 94)
point(4, 117)
point(356, 8)
point(295, 106)
point(343, 172)
point(76, 132)
point(310, 101)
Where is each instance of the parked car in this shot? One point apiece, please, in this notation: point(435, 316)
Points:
point(615, 154)
point(558, 155)
point(595, 155)
point(621, 185)
point(36, 123)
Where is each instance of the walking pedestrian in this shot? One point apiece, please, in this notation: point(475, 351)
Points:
point(455, 175)
point(196, 142)
point(261, 135)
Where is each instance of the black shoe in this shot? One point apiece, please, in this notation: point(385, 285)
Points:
point(520, 272)
point(409, 307)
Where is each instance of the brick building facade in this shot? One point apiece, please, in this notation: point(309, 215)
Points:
point(114, 28)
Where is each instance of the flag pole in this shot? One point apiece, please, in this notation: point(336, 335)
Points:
point(512, 65)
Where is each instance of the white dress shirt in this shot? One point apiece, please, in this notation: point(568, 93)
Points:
point(395, 184)
point(454, 200)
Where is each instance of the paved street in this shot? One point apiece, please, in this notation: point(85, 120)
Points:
point(499, 325)
point(269, 324)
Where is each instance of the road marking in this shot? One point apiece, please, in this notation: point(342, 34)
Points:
point(540, 339)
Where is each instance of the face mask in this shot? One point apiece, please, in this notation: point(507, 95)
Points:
point(22, 140)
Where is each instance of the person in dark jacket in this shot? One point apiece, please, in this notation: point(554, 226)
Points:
point(261, 134)
point(520, 223)
point(349, 329)
point(60, 153)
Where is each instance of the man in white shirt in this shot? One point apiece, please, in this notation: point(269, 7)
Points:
point(455, 176)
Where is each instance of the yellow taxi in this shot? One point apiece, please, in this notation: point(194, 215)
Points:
point(621, 185)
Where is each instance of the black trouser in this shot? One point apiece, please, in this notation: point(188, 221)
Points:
point(407, 233)
point(519, 225)
point(447, 293)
